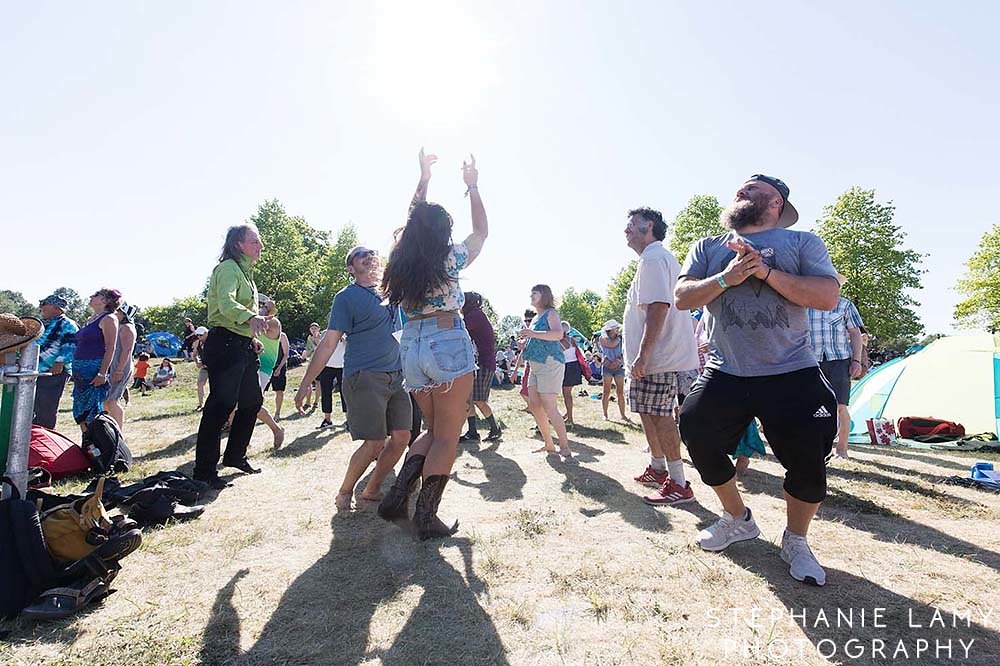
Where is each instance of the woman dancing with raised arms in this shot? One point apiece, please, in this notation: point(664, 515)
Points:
point(436, 350)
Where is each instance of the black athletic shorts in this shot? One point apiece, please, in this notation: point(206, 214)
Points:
point(798, 411)
point(278, 381)
point(838, 373)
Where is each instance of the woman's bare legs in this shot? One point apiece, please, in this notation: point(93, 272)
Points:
point(449, 405)
point(606, 396)
point(541, 419)
point(114, 408)
point(620, 389)
point(568, 399)
point(552, 411)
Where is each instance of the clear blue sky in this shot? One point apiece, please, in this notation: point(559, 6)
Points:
point(132, 134)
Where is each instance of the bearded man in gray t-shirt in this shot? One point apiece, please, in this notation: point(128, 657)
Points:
point(756, 282)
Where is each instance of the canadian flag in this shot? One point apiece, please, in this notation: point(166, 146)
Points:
point(882, 431)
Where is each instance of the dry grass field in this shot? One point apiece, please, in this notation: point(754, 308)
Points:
point(554, 563)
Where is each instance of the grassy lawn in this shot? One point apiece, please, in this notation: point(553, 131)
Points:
point(555, 562)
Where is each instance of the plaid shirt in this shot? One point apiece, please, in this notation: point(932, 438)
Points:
point(57, 343)
point(828, 330)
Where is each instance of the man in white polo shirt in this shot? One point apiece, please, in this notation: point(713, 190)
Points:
point(659, 347)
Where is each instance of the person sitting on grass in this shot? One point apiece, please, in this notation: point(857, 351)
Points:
point(165, 374)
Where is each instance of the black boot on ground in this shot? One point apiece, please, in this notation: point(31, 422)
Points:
point(395, 505)
point(425, 517)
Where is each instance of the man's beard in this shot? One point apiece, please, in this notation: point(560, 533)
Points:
point(742, 214)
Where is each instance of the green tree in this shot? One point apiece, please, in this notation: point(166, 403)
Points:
point(14, 302)
point(76, 308)
point(333, 277)
point(171, 317)
point(580, 309)
point(865, 245)
point(299, 268)
point(508, 326)
point(698, 219)
point(612, 306)
point(981, 285)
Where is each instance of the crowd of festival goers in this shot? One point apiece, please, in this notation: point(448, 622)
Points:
point(748, 337)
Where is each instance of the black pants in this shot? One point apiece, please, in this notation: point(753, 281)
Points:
point(48, 392)
point(232, 366)
point(327, 378)
point(798, 411)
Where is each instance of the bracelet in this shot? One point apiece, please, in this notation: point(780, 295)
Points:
point(721, 281)
point(768, 273)
point(471, 188)
point(854, 360)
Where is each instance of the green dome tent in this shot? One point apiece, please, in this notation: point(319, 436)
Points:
point(956, 378)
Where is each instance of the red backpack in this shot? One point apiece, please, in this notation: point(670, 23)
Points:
point(56, 453)
point(915, 426)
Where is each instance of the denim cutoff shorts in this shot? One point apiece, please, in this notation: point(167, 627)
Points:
point(434, 355)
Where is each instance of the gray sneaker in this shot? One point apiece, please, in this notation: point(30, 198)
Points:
point(802, 563)
point(727, 530)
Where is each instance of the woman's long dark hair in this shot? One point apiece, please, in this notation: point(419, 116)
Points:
point(417, 263)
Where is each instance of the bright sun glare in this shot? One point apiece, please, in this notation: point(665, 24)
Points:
point(432, 56)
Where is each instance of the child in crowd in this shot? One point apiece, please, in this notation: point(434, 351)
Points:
point(139, 377)
point(164, 374)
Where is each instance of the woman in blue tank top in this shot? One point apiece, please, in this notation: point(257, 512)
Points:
point(545, 359)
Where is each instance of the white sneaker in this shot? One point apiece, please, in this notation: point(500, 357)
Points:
point(727, 530)
point(802, 563)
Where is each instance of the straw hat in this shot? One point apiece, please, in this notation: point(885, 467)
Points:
point(16, 332)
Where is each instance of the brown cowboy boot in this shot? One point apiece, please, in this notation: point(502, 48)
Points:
point(425, 518)
point(395, 504)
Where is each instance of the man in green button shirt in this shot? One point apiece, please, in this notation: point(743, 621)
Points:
point(230, 356)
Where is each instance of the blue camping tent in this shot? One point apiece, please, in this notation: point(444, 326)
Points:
point(164, 343)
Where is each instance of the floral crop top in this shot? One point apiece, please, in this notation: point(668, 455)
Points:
point(449, 296)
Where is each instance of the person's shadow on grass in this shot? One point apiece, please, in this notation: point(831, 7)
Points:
point(844, 592)
point(608, 492)
point(881, 521)
point(328, 614)
point(504, 477)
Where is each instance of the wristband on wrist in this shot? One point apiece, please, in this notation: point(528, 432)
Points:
point(471, 188)
point(768, 274)
point(721, 281)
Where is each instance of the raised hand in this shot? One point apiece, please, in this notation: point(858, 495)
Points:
point(469, 173)
point(426, 161)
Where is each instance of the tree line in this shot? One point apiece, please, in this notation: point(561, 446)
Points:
point(303, 267)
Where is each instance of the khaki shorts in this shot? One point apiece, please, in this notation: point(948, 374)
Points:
point(547, 377)
point(376, 404)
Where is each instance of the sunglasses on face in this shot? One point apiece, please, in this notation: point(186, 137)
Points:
point(364, 254)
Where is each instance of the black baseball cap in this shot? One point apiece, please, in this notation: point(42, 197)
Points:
point(789, 215)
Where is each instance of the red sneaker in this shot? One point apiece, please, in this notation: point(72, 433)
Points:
point(670, 493)
point(652, 478)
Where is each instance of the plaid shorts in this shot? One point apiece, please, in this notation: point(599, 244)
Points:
point(653, 394)
point(482, 385)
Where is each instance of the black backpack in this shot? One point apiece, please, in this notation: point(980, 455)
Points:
point(27, 568)
point(105, 446)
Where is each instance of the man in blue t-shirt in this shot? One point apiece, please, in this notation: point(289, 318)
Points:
point(378, 407)
point(756, 282)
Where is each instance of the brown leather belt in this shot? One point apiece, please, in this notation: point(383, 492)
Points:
point(446, 318)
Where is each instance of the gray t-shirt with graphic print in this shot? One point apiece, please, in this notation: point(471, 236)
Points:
point(753, 330)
